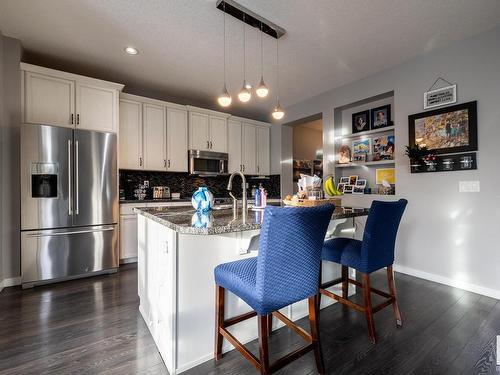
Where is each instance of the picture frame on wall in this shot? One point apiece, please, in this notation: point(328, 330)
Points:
point(344, 180)
point(348, 189)
point(353, 180)
point(362, 146)
point(344, 156)
point(340, 187)
point(381, 117)
point(360, 122)
point(445, 130)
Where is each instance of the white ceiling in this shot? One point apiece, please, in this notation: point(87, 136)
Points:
point(328, 42)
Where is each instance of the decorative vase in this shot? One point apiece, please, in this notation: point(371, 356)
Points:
point(202, 200)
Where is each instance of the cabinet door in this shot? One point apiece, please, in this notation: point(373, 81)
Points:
point(248, 149)
point(177, 140)
point(49, 100)
point(130, 136)
point(218, 134)
point(155, 138)
point(263, 151)
point(199, 131)
point(96, 108)
point(128, 236)
point(234, 146)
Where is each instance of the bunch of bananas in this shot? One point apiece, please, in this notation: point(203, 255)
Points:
point(330, 188)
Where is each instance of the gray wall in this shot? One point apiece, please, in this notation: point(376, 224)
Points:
point(10, 119)
point(445, 236)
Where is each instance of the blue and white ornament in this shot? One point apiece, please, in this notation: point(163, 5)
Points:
point(202, 200)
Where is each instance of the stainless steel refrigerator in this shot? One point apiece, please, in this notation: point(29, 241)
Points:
point(69, 203)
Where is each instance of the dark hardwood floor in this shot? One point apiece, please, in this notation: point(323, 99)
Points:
point(92, 326)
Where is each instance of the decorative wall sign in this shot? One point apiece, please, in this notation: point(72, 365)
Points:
point(439, 97)
point(447, 163)
point(445, 130)
point(387, 174)
point(362, 146)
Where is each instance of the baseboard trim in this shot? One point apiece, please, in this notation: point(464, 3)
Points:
point(474, 288)
point(13, 281)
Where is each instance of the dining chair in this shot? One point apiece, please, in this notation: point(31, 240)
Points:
point(285, 271)
point(374, 252)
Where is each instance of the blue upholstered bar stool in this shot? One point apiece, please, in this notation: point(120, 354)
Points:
point(285, 271)
point(376, 251)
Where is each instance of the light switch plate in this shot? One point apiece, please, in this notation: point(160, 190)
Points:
point(469, 187)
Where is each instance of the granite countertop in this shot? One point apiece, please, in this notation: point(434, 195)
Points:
point(160, 200)
point(187, 221)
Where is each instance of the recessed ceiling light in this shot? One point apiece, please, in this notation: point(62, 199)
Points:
point(131, 50)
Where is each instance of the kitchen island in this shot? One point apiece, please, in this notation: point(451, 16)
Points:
point(178, 251)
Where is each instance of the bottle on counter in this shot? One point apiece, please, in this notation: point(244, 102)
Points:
point(257, 198)
point(263, 196)
point(254, 189)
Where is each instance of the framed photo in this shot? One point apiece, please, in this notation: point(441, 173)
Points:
point(344, 156)
point(383, 147)
point(348, 189)
point(360, 122)
point(344, 180)
point(387, 174)
point(381, 117)
point(358, 190)
point(445, 130)
point(362, 146)
point(340, 187)
point(353, 180)
point(361, 183)
point(359, 158)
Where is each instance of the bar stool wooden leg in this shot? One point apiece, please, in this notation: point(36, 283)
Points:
point(219, 320)
point(263, 344)
point(345, 282)
point(270, 324)
point(368, 307)
point(320, 281)
point(313, 320)
point(392, 291)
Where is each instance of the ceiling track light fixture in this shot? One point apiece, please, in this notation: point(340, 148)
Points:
point(265, 26)
point(225, 98)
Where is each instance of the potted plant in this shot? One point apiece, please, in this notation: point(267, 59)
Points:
point(416, 153)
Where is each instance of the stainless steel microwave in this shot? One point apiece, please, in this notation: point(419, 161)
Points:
point(207, 163)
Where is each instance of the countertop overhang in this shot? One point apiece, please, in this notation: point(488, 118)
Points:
point(186, 220)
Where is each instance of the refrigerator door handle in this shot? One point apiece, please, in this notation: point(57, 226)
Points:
point(70, 210)
point(77, 200)
point(41, 234)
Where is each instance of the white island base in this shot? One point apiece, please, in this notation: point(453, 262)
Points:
point(177, 289)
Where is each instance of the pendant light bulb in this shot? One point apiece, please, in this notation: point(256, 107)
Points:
point(278, 112)
point(245, 94)
point(262, 89)
point(224, 99)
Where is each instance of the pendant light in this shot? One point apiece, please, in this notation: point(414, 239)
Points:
point(245, 94)
point(278, 112)
point(224, 99)
point(262, 89)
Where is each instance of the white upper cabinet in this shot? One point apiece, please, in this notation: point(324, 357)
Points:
point(130, 141)
point(218, 134)
point(263, 151)
point(96, 107)
point(177, 140)
point(58, 98)
point(249, 149)
point(199, 131)
point(234, 146)
point(155, 137)
point(49, 100)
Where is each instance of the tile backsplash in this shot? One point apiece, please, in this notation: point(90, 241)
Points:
point(186, 183)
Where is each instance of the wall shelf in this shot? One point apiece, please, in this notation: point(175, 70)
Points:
point(368, 132)
point(368, 163)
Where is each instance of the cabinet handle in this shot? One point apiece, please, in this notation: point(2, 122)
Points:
point(72, 119)
point(165, 163)
point(243, 167)
point(140, 161)
point(210, 145)
point(257, 168)
point(78, 119)
point(169, 163)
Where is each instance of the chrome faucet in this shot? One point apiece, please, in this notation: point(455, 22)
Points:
point(244, 193)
